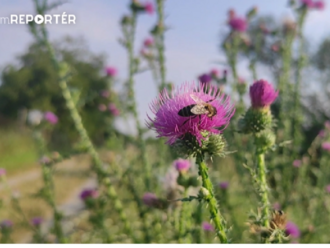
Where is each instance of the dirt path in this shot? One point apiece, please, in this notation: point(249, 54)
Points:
point(15, 181)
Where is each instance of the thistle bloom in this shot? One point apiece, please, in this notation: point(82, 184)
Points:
point(326, 146)
point(89, 193)
point(262, 94)
point(113, 109)
point(168, 123)
point(2, 172)
point(36, 221)
point(224, 185)
point(102, 107)
point(148, 42)
point(327, 124)
point(182, 165)
point(111, 71)
point(292, 230)
point(327, 188)
point(50, 117)
point(149, 8)
point(205, 78)
point(238, 24)
point(296, 163)
point(318, 5)
point(321, 133)
point(308, 3)
point(150, 199)
point(6, 224)
point(207, 227)
point(277, 206)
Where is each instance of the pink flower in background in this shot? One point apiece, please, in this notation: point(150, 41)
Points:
point(297, 163)
point(50, 117)
point(215, 73)
point(207, 227)
point(241, 80)
point(166, 107)
point(308, 3)
point(148, 42)
point(6, 224)
point(322, 133)
point(275, 48)
point(327, 188)
point(205, 78)
point(327, 124)
point(326, 146)
point(262, 94)
point(224, 185)
point(238, 24)
point(102, 107)
point(2, 172)
point(44, 160)
point(36, 221)
point(182, 165)
point(231, 14)
point(105, 93)
point(89, 193)
point(277, 206)
point(149, 8)
point(319, 5)
point(292, 230)
point(113, 109)
point(111, 71)
point(150, 199)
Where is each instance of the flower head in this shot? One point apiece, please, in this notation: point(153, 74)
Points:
point(326, 146)
point(2, 172)
point(205, 78)
point(149, 8)
point(36, 221)
point(148, 42)
point(111, 71)
point(89, 193)
point(150, 199)
point(34, 117)
point(238, 24)
point(327, 124)
point(262, 94)
point(319, 5)
point(113, 109)
point(277, 206)
point(172, 125)
point(102, 107)
point(215, 73)
point(292, 230)
point(50, 117)
point(207, 226)
point(308, 3)
point(44, 160)
point(297, 163)
point(182, 165)
point(224, 185)
point(105, 93)
point(327, 188)
point(321, 133)
point(6, 224)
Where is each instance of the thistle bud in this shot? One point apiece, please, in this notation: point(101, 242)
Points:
point(255, 120)
point(265, 140)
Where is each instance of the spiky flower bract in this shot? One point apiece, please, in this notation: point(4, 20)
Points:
point(168, 123)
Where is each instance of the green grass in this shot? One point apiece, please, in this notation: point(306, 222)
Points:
point(17, 150)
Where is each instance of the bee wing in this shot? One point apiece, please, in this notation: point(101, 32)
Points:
point(196, 99)
point(199, 109)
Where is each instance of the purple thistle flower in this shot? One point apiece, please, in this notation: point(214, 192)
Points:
point(168, 123)
point(111, 71)
point(148, 42)
point(292, 230)
point(2, 172)
point(262, 94)
point(326, 146)
point(50, 117)
point(224, 185)
point(44, 160)
point(102, 107)
point(6, 224)
point(150, 199)
point(105, 93)
point(297, 163)
point(113, 109)
point(205, 78)
point(149, 8)
point(321, 133)
point(36, 221)
point(319, 5)
point(238, 24)
point(89, 193)
point(308, 3)
point(207, 227)
point(181, 165)
point(327, 188)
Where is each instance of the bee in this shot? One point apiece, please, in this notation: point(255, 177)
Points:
point(198, 109)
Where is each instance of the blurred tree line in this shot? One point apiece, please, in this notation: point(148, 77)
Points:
point(32, 84)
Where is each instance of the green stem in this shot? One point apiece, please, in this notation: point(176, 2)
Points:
point(160, 43)
point(211, 201)
point(183, 214)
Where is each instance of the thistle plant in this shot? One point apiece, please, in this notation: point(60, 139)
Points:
point(258, 122)
point(195, 134)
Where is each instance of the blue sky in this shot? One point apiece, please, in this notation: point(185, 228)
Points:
point(191, 43)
